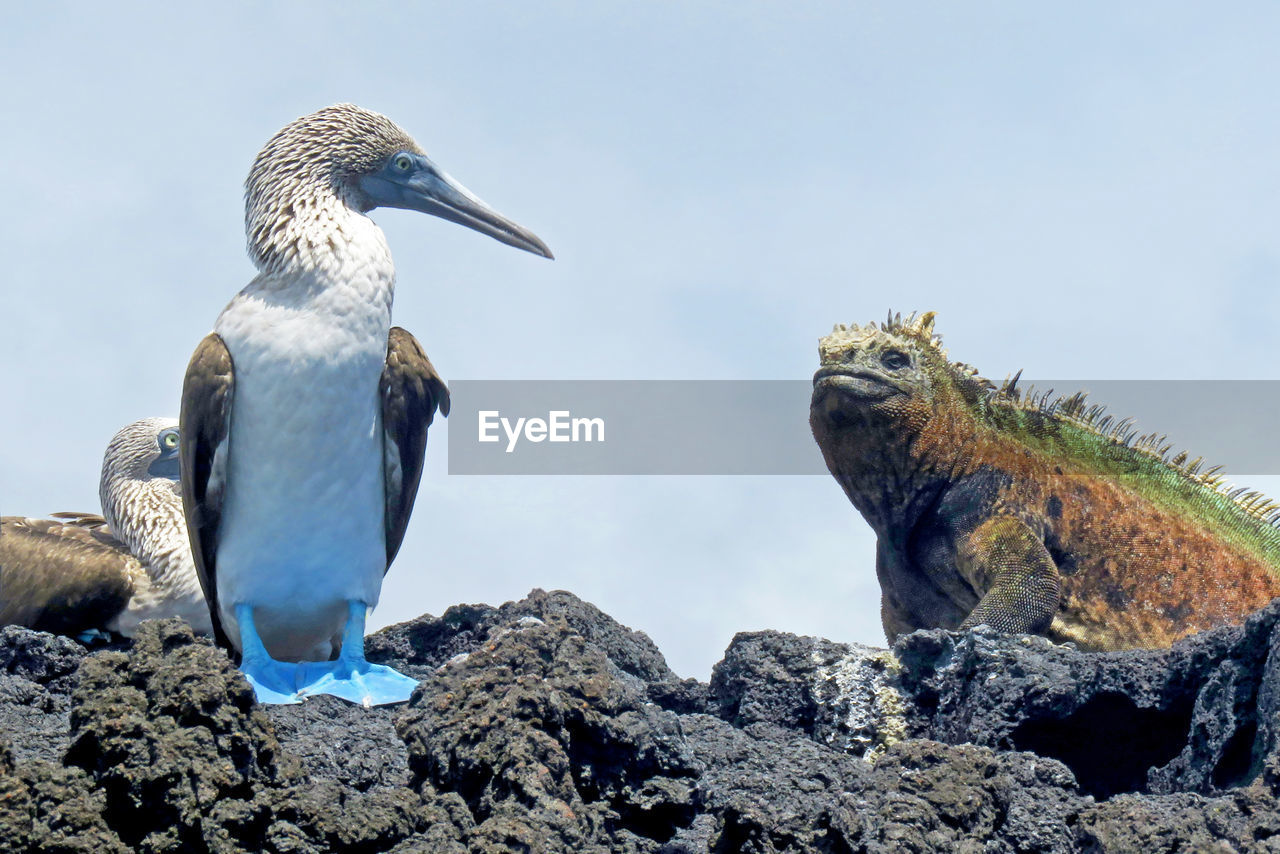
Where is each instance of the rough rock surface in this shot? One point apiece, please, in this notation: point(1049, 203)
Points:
point(545, 726)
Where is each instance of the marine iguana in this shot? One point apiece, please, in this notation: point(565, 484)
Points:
point(1025, 512)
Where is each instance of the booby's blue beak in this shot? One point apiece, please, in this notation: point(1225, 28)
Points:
point(165, 465)
point(411, 181)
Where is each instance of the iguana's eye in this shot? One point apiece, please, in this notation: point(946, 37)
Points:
point(895, 359)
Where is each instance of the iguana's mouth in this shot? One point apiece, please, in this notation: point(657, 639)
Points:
point(842, 396)
point(855, 383)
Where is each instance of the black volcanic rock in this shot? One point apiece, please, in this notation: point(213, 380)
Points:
point(37, 672)
point(545, 726)
point(1200, 717)
point(429, 643)
point(551, 746)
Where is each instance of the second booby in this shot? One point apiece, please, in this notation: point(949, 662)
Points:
point(80, 573)
point(305, 413)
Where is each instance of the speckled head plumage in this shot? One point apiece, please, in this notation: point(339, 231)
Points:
point(330, 145)
point(143, 451)
point(347, 157)
point(308, 164)
point(140, 468)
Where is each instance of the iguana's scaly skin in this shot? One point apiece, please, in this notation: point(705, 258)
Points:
point(1028, 514)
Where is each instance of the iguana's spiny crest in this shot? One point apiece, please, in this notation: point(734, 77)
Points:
point(915, 332)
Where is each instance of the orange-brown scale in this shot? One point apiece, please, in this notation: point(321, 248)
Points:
point(1144, 574)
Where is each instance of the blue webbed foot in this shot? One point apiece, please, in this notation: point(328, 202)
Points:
point(355, 680)
point(350, 677)
point(273, 681)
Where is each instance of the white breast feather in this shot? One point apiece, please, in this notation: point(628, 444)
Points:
point(302, 527)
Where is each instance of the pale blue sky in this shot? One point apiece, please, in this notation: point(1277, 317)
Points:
point(1088, 191)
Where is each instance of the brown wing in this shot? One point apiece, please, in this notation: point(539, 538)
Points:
point(91, 521)
point(60, 577)
point(411, 392)
point(203, 425)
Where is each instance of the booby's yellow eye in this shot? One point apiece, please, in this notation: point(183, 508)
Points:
point(169, 440)
point(403, 162)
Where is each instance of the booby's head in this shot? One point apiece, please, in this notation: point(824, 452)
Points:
point(361, 160)
point(144, 451)
point(139, 484)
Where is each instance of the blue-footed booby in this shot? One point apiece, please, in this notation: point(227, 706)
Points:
point(81, 574)
point(305, 413)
